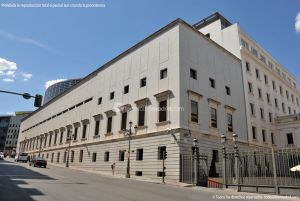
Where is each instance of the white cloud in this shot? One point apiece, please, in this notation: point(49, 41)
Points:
point(297, 23)
point(51, 82)
point(10, 113)
point(8, 80)
point(6, 65)
point(26, 76)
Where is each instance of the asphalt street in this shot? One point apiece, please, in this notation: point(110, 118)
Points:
point(20, 182)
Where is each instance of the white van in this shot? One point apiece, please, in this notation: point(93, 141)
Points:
point(23, 157)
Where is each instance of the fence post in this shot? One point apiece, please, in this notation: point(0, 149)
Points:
point(236, 160)
point(275, 172)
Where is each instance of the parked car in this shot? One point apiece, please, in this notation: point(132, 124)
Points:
point(1, 156)
point(23, 157)
point(37, 161)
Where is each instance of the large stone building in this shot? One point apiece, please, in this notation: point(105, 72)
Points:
point(175, 85)
point(4, 124)
point(270, 90)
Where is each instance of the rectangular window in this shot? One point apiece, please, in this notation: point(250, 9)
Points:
point(252, 109)
point(94, 157)
point(257, 73)
point(123, 120)
point(262, 116)
point(112, 95)
point(141, 113)
point(163, 73)
point(106, 156)
point(163, 111)
point(138, 173)
point(292, 96)
point(139, 154)
point(259, 93)
point(263, 132)
point(160, 152)
point(109, 125)
point(212, 83)
point(84, 131)
point(97, 126)
point(250, 89)
point(270, 117)
point(254, 51)
point(57, 157)
point(80, 156)
point(248, 69)
point(253, 132)
point(283, 107)
point(274, 84)
point(229, 122)
point(266, 79)
point(287, 95)
point(143, 82)
point(272, 138)
point(215, 155)
point(99, 100)
point(213, 118)
point(194, 111)
point(227, 89)
point(290, 139)
point(289, 109)
point(121, 155)
point(126, 89)
point(193, 74)
point(61, 137)
point(72, 156)
point(276, 102)
point(75, 133)
point(65, 157)
point(268, 98)
point(280, 90)
point(55, 138)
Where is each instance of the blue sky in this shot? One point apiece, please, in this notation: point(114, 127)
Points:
point(61, 43)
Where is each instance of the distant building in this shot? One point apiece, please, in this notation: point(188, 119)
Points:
point(4, 124)
point(57, 88)
point(10, 127)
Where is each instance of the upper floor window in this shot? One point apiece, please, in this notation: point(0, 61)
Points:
point(268, 98)
point(97, 126)
point(248, 68)
point(193, 74)
point(263, 58)
point(123, 121)
point(194, 111)
point(109, 124)
point(245, 44)
point(126, 89)
point(99, 100)
point(263, 132)
point(290, 139)
point(253, 132)
point(163, 73)
point(287, 94)
point(162, 111)
point(274, 84)
point(250, 88)
point(213, 117)
point(84, 131)
point(257, 73)
point(143, 82)
point(227, 89)
point(254, 51)
point(212, 83)
point(280, 90)
point(262, 116)
point(112, 95)
point(272, 138)
point(229, 122)
point(276, 102)
point(266, 79)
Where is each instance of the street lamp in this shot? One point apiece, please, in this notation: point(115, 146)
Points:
point(128, 132)
point(69, 138)
point(236, 159)
point(196, 157)
point(223, 141)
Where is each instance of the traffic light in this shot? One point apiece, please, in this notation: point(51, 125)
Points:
point(38, 100)
point(165, 155)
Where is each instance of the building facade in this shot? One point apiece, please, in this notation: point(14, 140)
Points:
point(270, 90)
point(4, 125)
point(13, 130)
point(57, 88)
point(175, 85)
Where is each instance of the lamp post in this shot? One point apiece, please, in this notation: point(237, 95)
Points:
point(69, 137)
point(236, 157)
point(128, 132)
point(196, 157)
point(223, 141)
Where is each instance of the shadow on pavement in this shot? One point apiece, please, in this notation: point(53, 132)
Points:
point(12, 184)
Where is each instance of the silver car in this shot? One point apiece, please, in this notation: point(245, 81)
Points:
point(1, 156)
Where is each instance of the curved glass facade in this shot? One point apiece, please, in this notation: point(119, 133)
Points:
point(57, 88)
